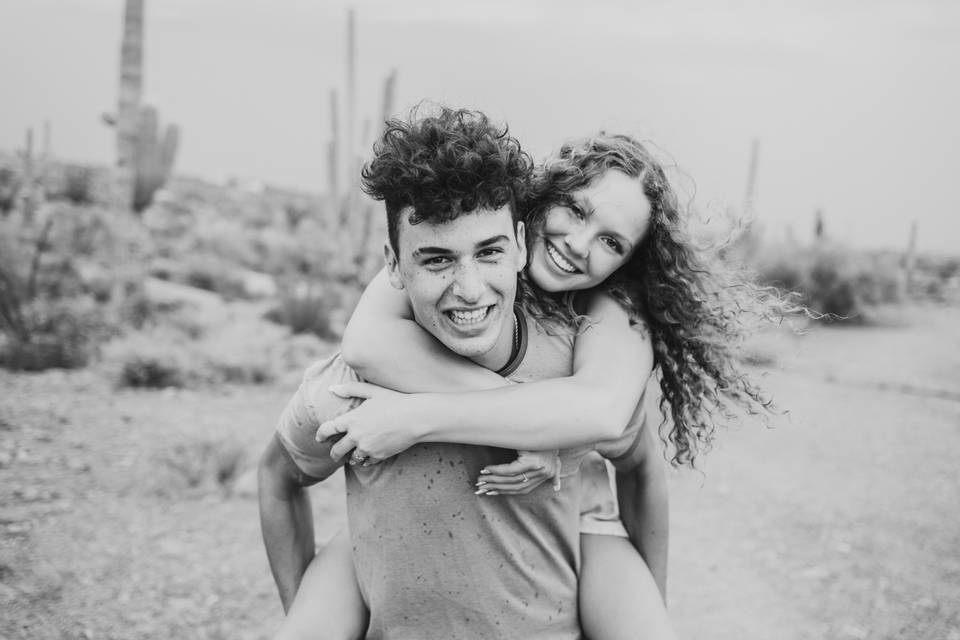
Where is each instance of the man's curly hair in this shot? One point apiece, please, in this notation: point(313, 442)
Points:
point(440, 166)
point(697, 309)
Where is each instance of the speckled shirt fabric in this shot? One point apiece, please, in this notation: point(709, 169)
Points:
point(436, 561)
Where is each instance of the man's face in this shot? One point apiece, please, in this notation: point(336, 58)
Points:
point(461, 278)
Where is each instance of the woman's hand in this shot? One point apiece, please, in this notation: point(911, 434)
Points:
point(520, 477)
point(384, 425)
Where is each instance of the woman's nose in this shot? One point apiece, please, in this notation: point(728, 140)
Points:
point(578, 243)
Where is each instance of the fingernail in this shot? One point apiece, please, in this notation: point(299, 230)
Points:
point(493, 493)
point(484, 471)
point(480, 483)
point(335, 389)
point(479, 492)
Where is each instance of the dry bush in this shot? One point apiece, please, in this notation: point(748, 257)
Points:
point(9, 189)
point(318, 308)
point(67, 283)
point(76, 184)
point(61, 334)
point(152, 361)
point(199, 465)
point(834, 280)
point(213, 274)
point(241, 351)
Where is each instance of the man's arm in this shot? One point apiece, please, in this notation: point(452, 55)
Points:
point(286, 521)
point(293, 461)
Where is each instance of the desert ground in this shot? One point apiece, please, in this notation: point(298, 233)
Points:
point(132, 513)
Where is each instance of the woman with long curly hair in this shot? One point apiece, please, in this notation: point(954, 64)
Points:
point(608, 253)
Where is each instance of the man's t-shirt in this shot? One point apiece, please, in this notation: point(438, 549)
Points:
point(436, 561)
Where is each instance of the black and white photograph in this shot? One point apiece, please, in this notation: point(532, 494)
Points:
point(526, 320)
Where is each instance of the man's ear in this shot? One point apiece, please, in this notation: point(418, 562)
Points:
point(393, 268)
point(522, 243)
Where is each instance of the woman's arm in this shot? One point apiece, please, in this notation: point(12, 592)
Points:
point(612, 361)
point(384, 345)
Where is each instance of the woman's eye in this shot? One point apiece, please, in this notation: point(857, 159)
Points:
point(613, 243)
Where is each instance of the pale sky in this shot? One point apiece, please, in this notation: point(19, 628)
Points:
point(855, 103)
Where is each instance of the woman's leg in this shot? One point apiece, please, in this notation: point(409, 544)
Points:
point(618, 597)
point(328, 605)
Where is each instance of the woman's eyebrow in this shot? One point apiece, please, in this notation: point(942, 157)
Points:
point(584, 204)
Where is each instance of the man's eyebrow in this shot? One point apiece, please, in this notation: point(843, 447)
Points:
point(432, 251)
point(444, 251)
point(494, 240)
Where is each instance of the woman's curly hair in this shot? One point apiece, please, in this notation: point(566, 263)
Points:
point(443, 165)
point(697, 309)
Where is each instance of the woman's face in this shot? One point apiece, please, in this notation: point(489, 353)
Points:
point(579, 246)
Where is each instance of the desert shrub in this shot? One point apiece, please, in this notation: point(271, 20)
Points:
point(78, 185)
point(212, 274)
point(226, 238)
point(836, 281)
point(320, 309)
point(154, 359)
point(160, 357)
point(201, 464)
point(9, 189)
point(60, 334)
point(151, 371)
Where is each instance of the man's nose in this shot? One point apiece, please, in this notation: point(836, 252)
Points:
point(468, 284)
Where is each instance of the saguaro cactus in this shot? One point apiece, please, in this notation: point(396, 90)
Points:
point(144, 161)
point(333, 154)
point(128, 99)
point(29, 192)
point(154, 157)
point(353, 216)
point(751, 191)
point(910, 257)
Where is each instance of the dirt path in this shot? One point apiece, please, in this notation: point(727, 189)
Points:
point(841, 522)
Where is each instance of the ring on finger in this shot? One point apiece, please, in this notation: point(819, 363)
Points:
point(525, 478)
point(357, 457)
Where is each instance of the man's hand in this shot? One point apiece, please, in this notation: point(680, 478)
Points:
point(385, 424)
point(520, 477)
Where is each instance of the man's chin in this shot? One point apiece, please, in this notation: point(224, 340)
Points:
point(474, 347)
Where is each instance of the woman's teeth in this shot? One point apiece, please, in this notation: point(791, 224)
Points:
point(559, 260)
point(469, 317)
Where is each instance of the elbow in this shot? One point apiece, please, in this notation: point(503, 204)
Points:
point(609, 426)
point(270, 477)
point(610, 422)
point(358, 354)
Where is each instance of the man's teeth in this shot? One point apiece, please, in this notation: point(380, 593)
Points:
point(469, 317)
point(560, 261)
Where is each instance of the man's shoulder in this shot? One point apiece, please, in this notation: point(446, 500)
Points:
point(546, 351)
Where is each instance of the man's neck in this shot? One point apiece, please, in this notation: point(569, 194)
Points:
point(505, 349)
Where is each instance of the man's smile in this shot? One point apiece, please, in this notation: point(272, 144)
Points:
point(466, 317)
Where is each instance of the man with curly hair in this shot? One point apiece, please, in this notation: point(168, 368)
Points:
point(432, 559)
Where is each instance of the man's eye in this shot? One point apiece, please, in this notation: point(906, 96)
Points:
point(613, 243)
point(438, 261)
point(492, 252)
